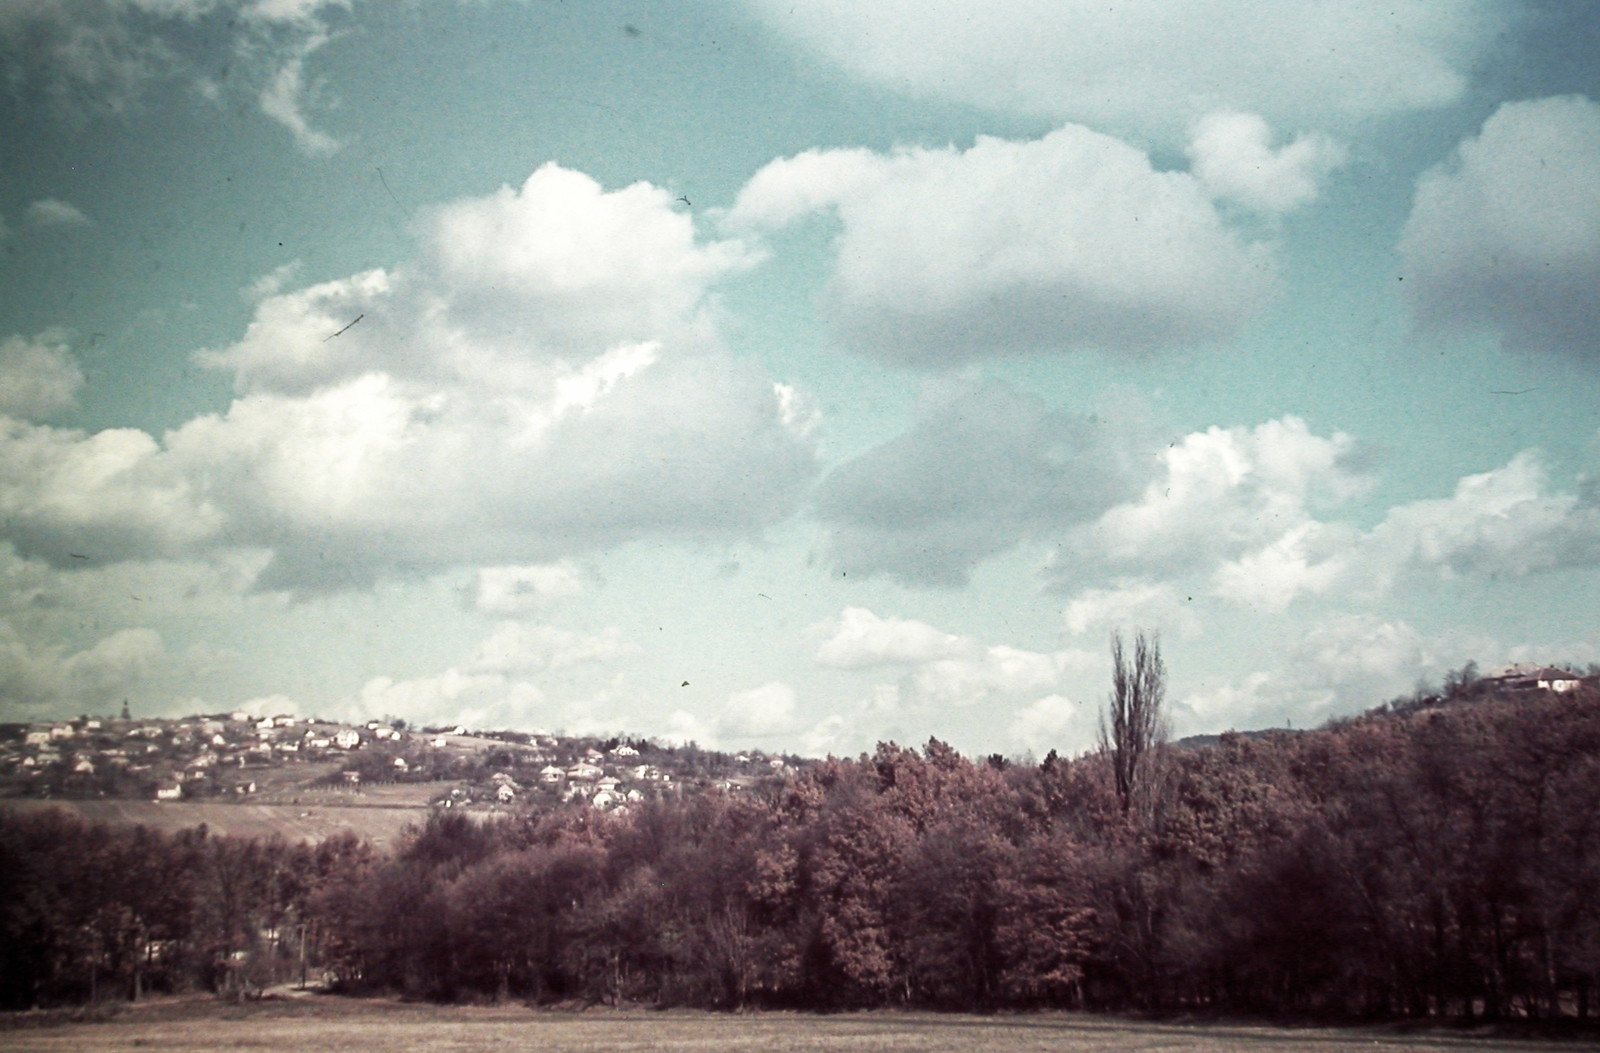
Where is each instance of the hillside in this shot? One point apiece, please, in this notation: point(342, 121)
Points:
point(306, 778)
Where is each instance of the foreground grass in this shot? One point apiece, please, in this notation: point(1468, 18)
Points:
point(319, 1024)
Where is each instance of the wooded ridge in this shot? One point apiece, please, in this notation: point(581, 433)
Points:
point(1439, 861)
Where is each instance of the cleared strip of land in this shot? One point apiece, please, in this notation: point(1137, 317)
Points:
point(311, 821)
point(318, 1024)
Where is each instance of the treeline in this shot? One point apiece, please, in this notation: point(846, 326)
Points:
point(91, 912)
point(1439, 863)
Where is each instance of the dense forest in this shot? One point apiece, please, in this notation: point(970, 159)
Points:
point(1437, 861)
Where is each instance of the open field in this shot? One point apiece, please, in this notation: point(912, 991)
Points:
point(322, 1023)
point(309, 821)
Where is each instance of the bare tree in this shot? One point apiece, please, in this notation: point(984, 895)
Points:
point(1137, 724)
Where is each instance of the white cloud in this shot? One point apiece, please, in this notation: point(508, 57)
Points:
point(1506, 235)
point(863, 640)
point(976, 474)
point(685, 727)
point(50, 212)
point(517, 590)
point(38, 375)
point(1072, 240)
point(1054, 722)
point(998, 670)
point(1154, 68)
point(1501, 522)
point(520, 647)
point(477, 700)
point(942, 669)
point(491, 688)
point(513, 397)
point(1246, 507)
point(265, 706)
point(101, 497)
point(1222, 492)
point(284, 98)
point(1346, 664)
point(1233, 159)
point(1155, 605)
point(93, 680)
point(768, 710)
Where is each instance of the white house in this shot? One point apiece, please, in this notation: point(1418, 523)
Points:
point(169, 793)
point(1558, 680)
point(624, 751)
point(583, 772)
point(551, 774)
point(347, 739)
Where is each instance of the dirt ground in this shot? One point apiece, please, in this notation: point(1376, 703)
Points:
point(325, 1024)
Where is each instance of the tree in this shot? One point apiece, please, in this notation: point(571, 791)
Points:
point(1137, 724)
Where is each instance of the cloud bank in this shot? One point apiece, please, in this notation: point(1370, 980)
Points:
point(1154, 68)
point(544, 380)
point(1505, 236)
point(1069, 241)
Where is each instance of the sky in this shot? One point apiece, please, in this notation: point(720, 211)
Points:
point(793, 376)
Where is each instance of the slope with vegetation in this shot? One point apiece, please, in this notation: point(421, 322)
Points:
point(1442, 861)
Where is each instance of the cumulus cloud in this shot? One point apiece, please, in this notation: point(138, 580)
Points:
point(1054, 722)
point(1072, 240)
point(1348, 663)
point(942, 669)
point(543, 380)
point(96, 679)
point(1220, 493)
point(67, 495)
point(1234, 159)
point(493, 687)
point(38, 375)
point(1504, 522)
point(1249, 513)
point(765, 711)
point(862, 640)
point(1506, 234)
point(1154, 68)
point(1155, 605)
point(520, 647)
point(1507, 521)
point(975, 475)
point(50, 212)
point(476, 700)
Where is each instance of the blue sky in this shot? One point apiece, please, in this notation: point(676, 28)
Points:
point(794, 376)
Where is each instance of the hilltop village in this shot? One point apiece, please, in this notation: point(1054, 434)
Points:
point(282, 758)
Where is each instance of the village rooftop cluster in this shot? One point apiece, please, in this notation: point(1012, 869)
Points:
point(276, 759)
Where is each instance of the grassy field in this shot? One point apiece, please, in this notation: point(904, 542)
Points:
point(322, 1023)
point(312, 820)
